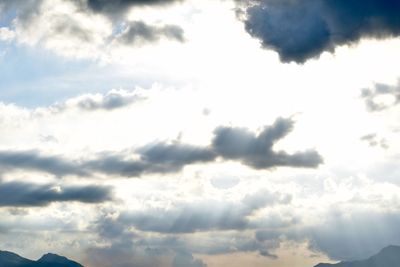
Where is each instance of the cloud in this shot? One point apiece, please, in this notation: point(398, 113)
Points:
point(229, 143)
point(381, 97)
point(140, 32)
point(197, 216)
point(127, 249)
point(160, 158)
point(154, 158)
point(257, 150)
point(299, 30)
point(64, 27)
point(116, 7)
point(21, 194)
point(6, 34)
point(355, 236)
point(185, 259)
point(32, 160)
point(71, 28)
point(373, 140)
point(114, 99)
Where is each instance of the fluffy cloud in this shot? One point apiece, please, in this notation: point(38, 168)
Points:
point(22, 194)
point(70, 27)
point(299, 30)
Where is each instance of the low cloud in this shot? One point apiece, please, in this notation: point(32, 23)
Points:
point(355, 236)
point(21, 194)
point(299, 30)
point(197, 216)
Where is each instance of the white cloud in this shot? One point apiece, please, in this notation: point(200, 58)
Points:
point(6, 34)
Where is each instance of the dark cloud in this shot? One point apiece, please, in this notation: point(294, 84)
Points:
point(197, 216)
point(371, 97)
point(32, 160)
point(120, 6)
point(140, 32)
point(228, 143)
point(20, 194)
point(175, 154)
point(299, 30)
point(155, 158)
point(257, 150)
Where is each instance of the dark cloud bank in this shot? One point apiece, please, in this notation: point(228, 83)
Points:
point(299, 30)
point(22, 194)
point(229, 143)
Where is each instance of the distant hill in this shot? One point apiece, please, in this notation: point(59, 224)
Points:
point(387, 257)
point(9, 259)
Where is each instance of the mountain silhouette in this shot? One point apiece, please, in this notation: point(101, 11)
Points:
point(387, 257)
point(9, 259)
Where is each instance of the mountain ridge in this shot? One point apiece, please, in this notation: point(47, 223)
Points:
point(11, 259)
point(386, 257)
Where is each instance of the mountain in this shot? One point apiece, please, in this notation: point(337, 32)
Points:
point(387, 257)
point(9, 259)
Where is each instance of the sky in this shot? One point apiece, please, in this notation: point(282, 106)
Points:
point(199, 133)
